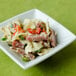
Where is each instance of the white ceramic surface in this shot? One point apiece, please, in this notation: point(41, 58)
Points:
point(64, 37)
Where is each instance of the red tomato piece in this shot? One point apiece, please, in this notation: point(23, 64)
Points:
point(32, 31)
point(44, 31)
point(15, 25)
point(14, 33)
point(38, 30)
point(29, 30)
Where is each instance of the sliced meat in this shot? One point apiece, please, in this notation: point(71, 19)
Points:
point(53, 39)
point(20, 51)
point(37, 37)
point(31, 56)
point(17, 44)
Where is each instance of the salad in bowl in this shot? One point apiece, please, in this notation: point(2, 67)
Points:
point(30, 38)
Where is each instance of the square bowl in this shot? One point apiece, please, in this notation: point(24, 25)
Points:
point(64, 37)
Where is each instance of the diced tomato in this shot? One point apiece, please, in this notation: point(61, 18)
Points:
point(19, 28)
point(15, 25)
point(22, 30)
point(14, 33)
point(44, 30)
point(32, 31)
point(29, 30)
point(38, 30)
point(15, 30)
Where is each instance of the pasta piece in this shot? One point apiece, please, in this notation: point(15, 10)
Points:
point(28, 24)
point(37, 46)
point(29, 47)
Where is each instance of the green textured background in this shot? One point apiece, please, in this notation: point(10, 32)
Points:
point(62, 63)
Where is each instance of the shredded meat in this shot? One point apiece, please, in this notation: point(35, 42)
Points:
point(20, 51)
point(36, 37)
point(17, 44)
point(31, 56)
point(53, 39)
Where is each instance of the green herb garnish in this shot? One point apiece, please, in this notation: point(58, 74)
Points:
point(25, 58)
point(3, 39)
point(38, 50)
point(21, 37)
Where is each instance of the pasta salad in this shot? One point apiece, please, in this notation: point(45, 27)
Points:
point(30, 38)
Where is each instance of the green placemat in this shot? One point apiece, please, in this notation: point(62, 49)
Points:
point(62, 63)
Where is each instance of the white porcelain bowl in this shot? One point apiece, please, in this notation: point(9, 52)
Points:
point(64, 37)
